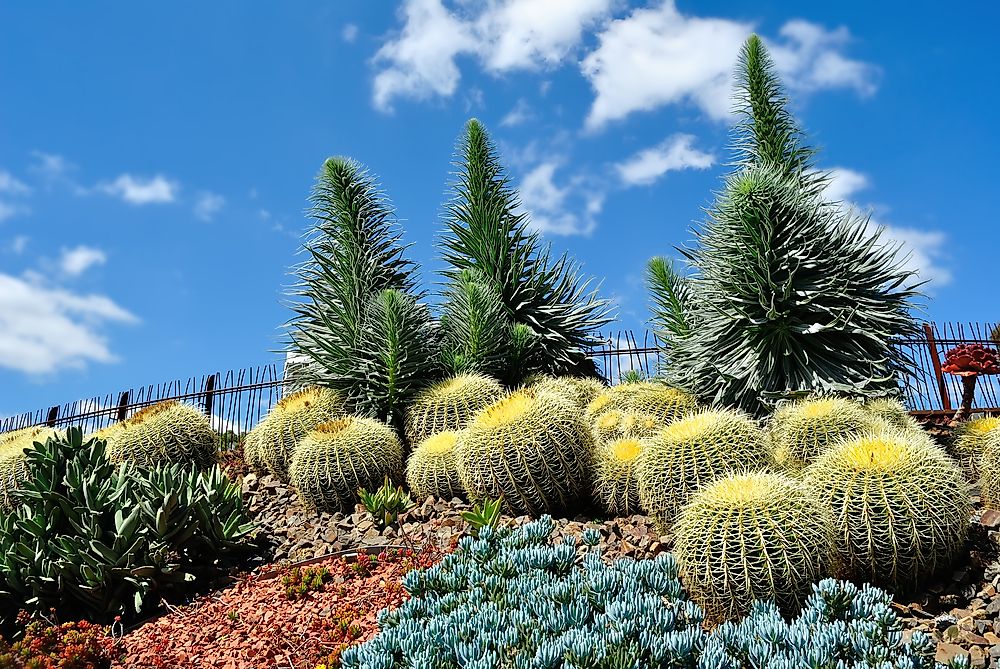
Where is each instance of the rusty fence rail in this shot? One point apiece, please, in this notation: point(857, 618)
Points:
point(236, 400)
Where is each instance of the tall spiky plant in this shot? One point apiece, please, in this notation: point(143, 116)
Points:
point(358, 319)
point(789, 294)
point(544, 297)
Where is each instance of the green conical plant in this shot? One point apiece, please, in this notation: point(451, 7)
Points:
point(13, 462)
point(269, 446)
point(449, 405)
point(900, 505)
point(616, 488)
point(752, 536)
point(532, 449)
point(969, 442)
point(789, 294)
point(649, 397)
point(618, 424)
point(335, 460)
point(358, 322)
point(432, 468)
point(802, 430)
point(164, 433)
point(893, 412)
point(693, 452)
point(579, 390)
point(487, 232)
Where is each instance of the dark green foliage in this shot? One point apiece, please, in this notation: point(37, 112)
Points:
point(94, 539)
point(484, 514)
point(790, 294)
point(386, 503)
point(544, 295)
point(358, 321)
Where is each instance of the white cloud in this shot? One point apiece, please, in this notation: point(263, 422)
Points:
point(504, 35)
point(518, 115)
point(8, 210)
point(19, 244)
point(50, 166)
point(844, 183)
point(552, 208)
point(45, 329)
point(673, 153)
point(349, 33)
point(208, 205)
point(11, 185)
point(76, 261)
point(139, 190)
point(657, 56)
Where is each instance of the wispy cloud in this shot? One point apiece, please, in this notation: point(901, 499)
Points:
point(208, 205)
point(19, 244)
point(141, 191)
point(15, 189)
point(77, 260)
point(518, 115)
point(349, 33)
point(674, 153)
point(12, 186)
point(8, 210)
point(567, 209)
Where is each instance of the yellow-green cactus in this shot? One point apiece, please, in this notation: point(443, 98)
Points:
point(989, 468)
point(13, 467)
point(752, 536)
point(268, 447)
point(615, 486)
point(449, 405)
point(693, 452)
point(893, 412)
point(802, 430)
point(617, 424)
point(657, 399)
point(336, 459)
point(168, 432)
point(900, 506)
point(970, 440)
point(432, 468)
point(531, 448)
point(579, 390)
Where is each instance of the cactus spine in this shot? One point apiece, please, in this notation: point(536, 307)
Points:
point(615, 484)
point(989, 468)
point(693, 452)
point(579, 390)
point(802, 430)
point(752, 536)
point(432, 468)
point(337, 458)
point(13, 468)
point(893, 412)
point(269, 446)
point(531, 448)
point(970, 441)
point(615, 424)
point(660, 400)
point(900, 504)
point(168, 432)
point(449, 405)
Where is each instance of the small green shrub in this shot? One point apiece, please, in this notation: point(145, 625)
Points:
point(386, 503)
point(299, 582)
point(484, 514)
point(165, 433)
point(432, 468)
point(449, 405)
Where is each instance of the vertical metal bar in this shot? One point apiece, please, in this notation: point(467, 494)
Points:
point(209, 394)
point(123, 406)
point(936, 362)
point(50, 420)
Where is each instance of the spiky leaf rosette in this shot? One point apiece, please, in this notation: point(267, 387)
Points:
point(270, 444)
point(617, 424)
point(487, 232)
point(449, 405)
point(532, 449)
point(616, 488)
point(893, 412)
point(432, 468)
point(752, 536)
point(969, 442)
point(577, 389)
point(475, 327)
point(804, 429)
point(650, 397)
point(335, 460)
point(900, 505)
point(165, 433)
point(13, 463)
point(693, 452)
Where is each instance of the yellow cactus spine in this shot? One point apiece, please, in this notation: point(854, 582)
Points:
point(449, 405)
point(802, 430)
point(615, 486)
point(969, 442)
point(13, 468)
point(577, 389)
point(167, 432)
point(650, 397)
point(432, 468)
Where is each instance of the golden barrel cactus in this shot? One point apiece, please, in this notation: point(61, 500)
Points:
point(336, 459)
point(900, 506)
point(802, 430)
point(893, 412)
point(165, 433)
point(268, 447)
point(616, 488)
point(650, 397)
point(616, 424)
point(969, 442)
point(432, 468)
point(752, 536)
point(449, 405)
point(989, 470)
point(579, 390)
point(531, 448)
point(693, 452)
point(13, 468)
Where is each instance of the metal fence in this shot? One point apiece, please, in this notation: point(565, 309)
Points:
point(235, 401)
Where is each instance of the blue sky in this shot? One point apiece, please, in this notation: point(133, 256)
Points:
point(155, 158)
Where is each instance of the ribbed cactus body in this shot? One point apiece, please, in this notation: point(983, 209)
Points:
point(449, 405)
point(657, 399)
point(970, 440)
point(533, 449)
point(893, 412)
point(802, 430)
point(616, 488)
point(577, 389)
point(693, 452)
point(432, 468)
point(337, 458)
point(989, 470)
point(616, 424)
point(269, 446)
point(13, 470)
point(168, 432)
point(900, 504)
point(752, 536)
